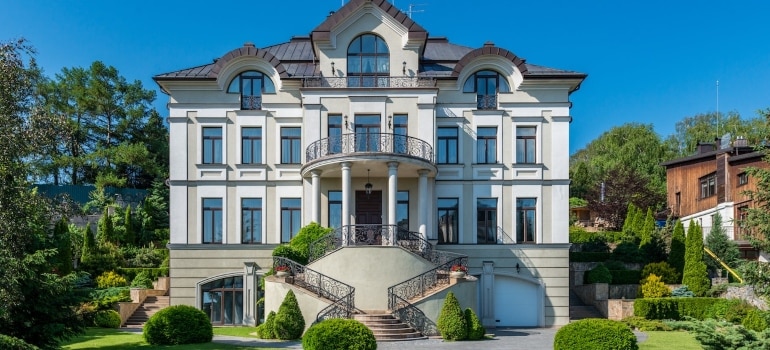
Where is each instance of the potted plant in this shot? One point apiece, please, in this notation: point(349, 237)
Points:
point(458, 271)
point(282, 271)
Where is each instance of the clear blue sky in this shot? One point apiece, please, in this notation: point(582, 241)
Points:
point(648, 61)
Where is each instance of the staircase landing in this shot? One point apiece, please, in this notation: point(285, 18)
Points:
point(387, 328)
point(151, 305)
point(579, 310)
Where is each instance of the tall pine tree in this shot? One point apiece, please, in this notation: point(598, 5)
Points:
point(695, 275)
point(676, 255)
point(718, 242)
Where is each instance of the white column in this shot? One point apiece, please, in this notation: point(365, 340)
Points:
point(316, 205)
point(392, 198)
point(345, 200)
point(422, 210)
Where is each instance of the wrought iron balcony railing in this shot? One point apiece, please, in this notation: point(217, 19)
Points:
point(354, 143)
point(369, 82)
point(251, 102)
point(486, 101)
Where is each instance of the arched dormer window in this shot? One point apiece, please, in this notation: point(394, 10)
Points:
point(486, 84)
point(368, 62)
point(251, 85)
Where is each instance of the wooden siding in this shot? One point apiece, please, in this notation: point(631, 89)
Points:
point(684, 179)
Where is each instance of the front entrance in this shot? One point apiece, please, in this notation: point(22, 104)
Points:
point(368, 218)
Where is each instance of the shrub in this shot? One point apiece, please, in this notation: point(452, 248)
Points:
point(595, 334)
point(476, 331)
point(288, 252)
point(105, 299)
point(682, 292)
point(179, 324)
point(625, 276)
point(289, 323)
point(588, 241)
point(628, 252)
point(663, 270)
point(340, 334)
point(267, 329)
point(142, 280)
point(110, 279)
point(674, 308)
point(451, 321)
point(152, 272)
point(718, 335)
point(305, 236)
point(645, 325)
point(107, 319)
point(10, 343)
point(653, 287)
point(695, 275)
point(588, 256)
point(615, 265)
point(598, 274)
point(756, 320)
point(737, 311)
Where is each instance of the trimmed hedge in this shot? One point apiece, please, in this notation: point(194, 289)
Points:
point(625, 276)
point(289, 322)
point(476, 330)
point(153, 272)
point(8, 342)
point(588, 256)
point(267, 329)
point(338, 333)
point(178, 324)
point(674, 308)
point(595, 334)
point(598, 274)
point(107, 319)
point(451, 321)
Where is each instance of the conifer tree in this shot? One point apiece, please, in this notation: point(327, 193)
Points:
point(105, 231)
point(628, 224)
point(718, 242)
point(63, 246)
point(89, 245)
point(676, 255)
point(695, 276)
point(129, 236)
point(647, 228)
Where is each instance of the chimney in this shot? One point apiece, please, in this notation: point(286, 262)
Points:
point(705, 147)
point(740, 142)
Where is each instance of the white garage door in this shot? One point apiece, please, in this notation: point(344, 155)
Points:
point(516, 302)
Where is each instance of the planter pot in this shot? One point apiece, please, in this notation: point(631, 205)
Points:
point(281, 273)
point(457, 274)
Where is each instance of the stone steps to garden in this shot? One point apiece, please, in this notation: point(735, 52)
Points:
point(579, 310)
point(386, 327)
point(149, 307)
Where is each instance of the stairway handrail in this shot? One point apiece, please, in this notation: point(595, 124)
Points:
point(412, 316)
point(341, 294)
point(715, 257)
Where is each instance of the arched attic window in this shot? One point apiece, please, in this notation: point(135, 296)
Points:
point(368, 62)
point(486, 84)
point(251, 85)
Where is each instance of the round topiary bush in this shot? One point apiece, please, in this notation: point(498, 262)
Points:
point(10, 343)
point(476, 331)
point(142, 280)
point(599, 274)
point(595, 334)
point(179, 324)
point(653, 287)
point(451, 321)
point(289, 322)
point(338, 333)
point(663, 270)
point(107, 319)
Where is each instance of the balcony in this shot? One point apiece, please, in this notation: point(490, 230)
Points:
point(486, 102)
point(369, 82)
point(251, 102)
point(363, 144)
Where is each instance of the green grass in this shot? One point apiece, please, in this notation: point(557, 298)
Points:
point(659, 340)
point(236, 331)
point(102, 338)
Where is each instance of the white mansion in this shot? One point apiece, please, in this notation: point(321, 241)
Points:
point(374, 128)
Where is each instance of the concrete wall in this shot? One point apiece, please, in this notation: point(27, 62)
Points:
point(465, 290)
point(309, 304)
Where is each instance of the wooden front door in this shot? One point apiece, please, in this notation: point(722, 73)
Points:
point(368, 208)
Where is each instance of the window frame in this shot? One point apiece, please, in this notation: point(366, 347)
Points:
point(446, 141)
point(357, 75)
point(485, 140)
point(522, 209)
point(487, 239)
point(743, 178)
point(523, 145)
point(402, 201)
point(256, 225)
point(209, 154)
point(294, 155)
point(455, 220)
point(291, 209)
point(210, 210)
point(708, 185)
point(333, 206)
point(256, 152)
point(236, 86)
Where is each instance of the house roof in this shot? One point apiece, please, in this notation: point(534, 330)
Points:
point(296, 58)
point(740, 153)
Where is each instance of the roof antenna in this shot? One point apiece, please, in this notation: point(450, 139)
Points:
point(412, 10)
point(717, 107)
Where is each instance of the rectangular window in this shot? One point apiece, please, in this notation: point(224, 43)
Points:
point(402, 210)
point(486, 220)
point(525, 145)
point(400, 128)
point(525, 220)
point(212, 145)
point(251, 145)
point(743, 178)
point(486, 145)
point(251, 220)
point(291, 139)
point(335, 209)
point(708, 185)
point(212, 220)
point(335, 134)
point(448, 220)
point(291, 218)
point(447, 146)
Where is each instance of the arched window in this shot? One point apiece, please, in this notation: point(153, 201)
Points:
point(222, 300)
point(486, 84)
point(368, 62)
point(251, 85)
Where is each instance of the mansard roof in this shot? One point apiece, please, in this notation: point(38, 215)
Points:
point(323, 31)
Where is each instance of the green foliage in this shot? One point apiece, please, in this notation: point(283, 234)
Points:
point(653, 287)
point(142, 280)
point(628, 224)
point(718, 242)
point(143, 256)
point(289, 322)
point(337, 333)
point(110, 279)
point(758, 214)
point(662, 269)
point(757, 274)
point(654, 250)
point(105, 257)
point(476, 330)
point(588, 256)
point(451, 321)
point(106, 299)
point(589, 241)
point(625, 276)
point(107, 319)
point(289, 252)
point(695, 275)
point(682, 292)
point(306, 235)
point(737, 311)
point(677, 250)
point(615, 265)
point(645, 325)
point(599, 274)
point(595, 334)
point(648, 228)
point(178, 324)
point(129, 234)
point(628, 252)
point(153, 273)
point(106, 230)
point(267, 329)
point(674, 308)
point(89, 245)
point(12, 343)
point(720, 335)
point(756, 320)
point(63, 243)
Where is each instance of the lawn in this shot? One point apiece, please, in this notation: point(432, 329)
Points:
point(102, 338)
point(669, 340)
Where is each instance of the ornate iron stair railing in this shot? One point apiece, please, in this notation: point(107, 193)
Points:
point(341, 294)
